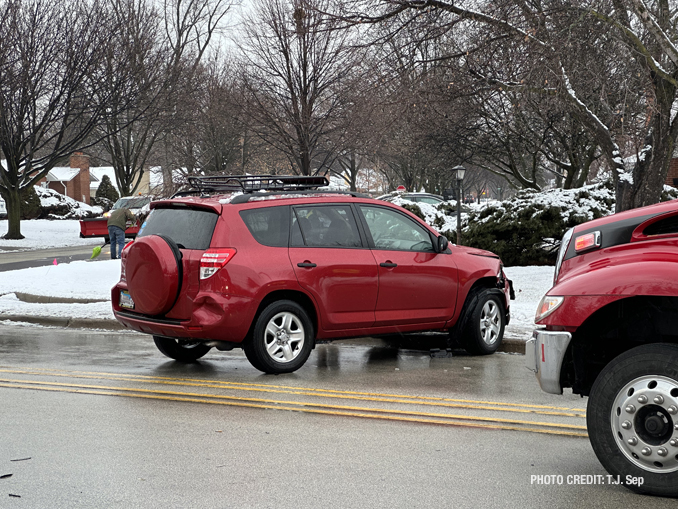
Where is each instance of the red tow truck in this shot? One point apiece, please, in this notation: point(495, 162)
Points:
point(98, 227)
point(609, 330)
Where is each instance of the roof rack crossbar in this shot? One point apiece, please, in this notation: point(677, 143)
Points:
point(253, 183)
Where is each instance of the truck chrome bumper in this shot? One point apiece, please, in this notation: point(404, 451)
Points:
point(544, 355)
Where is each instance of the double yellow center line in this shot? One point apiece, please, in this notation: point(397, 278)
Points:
point(384, 406)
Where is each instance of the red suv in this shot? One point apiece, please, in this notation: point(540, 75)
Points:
point(271, 264)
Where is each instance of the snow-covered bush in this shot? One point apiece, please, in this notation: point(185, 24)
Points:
point(57, 206)
point(527, 229)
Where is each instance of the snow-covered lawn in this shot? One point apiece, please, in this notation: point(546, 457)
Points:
point(94, 280)
point(44, 233)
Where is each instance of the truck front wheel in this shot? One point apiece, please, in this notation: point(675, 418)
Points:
point(632, 419)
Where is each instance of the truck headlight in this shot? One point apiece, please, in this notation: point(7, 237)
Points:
point(548, 305)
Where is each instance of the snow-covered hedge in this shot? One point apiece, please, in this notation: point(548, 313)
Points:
point(527, 229)
point(57, 206)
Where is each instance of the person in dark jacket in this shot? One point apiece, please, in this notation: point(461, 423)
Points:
point(117, 223)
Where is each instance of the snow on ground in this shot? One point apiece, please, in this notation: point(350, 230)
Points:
point(94, 280)
point(79, 280)
point(43, 234)
point(530, 285)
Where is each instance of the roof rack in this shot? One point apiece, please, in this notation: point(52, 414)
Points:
point(253, 183)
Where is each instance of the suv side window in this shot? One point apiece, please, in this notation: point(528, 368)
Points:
point(269, 226)
point(325, 226)
point(394, 231)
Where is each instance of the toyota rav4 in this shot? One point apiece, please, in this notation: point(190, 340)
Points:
point(272, 264)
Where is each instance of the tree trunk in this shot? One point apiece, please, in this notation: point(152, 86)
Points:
point(13, 199)
point(652, 166)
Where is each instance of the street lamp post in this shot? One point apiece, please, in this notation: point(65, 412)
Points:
point(458, 173)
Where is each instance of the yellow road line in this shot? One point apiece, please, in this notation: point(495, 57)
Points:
point(305, 410)
point(32, 383)
point(324, 392)
point(216, 385)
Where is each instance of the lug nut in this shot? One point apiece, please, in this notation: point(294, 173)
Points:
point(672, 410)
point(626, 425)
point(632, 441)
point(630, 409)
point(658, 399)
point(646, 451)
point(642, 399)
point(662, 451)
point(674, 442)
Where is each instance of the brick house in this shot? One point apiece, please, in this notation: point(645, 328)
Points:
point(672, 175)
point(72, 180)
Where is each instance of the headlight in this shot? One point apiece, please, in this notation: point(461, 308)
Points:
point(547, 306)
point(561, 252)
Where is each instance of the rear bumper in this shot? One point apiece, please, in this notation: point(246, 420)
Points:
point(544, 355)
point(213, 317)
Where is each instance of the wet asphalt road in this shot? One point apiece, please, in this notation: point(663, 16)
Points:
point(106, 421)
point(16, 259)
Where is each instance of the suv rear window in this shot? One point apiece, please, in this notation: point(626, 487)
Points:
point(189, 228)
point(269, 226)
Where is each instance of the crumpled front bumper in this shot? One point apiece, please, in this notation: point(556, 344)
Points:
point(544, 355)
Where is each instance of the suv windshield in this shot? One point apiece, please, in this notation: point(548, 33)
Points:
point(189, 228)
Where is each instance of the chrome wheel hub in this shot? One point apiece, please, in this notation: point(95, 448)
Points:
point(645, 423)
point(284, 337)
point(490, 322)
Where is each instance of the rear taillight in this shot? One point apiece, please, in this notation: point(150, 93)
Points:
point(587, 241)
point(214, 259)
point(123, 262)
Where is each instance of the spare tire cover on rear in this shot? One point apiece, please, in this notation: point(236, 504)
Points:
point(154, 272)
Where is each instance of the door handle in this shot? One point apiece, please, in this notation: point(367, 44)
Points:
point(306, 264)
point(389, 265)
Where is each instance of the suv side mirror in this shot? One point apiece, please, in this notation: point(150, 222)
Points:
point(442, 244)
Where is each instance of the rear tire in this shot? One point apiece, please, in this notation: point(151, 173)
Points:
point(181, 350)
point(282, 338)
point(632, 418)
point(484, 326)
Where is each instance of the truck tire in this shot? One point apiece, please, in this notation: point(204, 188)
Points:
point(181, 350)
point(282, 338)
point(632, 419)
point(484, 322)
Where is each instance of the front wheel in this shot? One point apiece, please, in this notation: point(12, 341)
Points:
point(632, 419)
point(484, 326)
point(282, 338)
point(181, 350)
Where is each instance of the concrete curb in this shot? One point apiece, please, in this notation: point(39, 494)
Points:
point(43, 299)
point(512, 346)
point(74, 323)
point(516, 346)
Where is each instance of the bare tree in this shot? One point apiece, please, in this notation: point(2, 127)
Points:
point(54, 60)
point(297, 66)
point(556, 35)
point(166, 48)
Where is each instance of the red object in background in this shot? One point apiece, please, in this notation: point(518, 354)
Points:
point(98, 227)
point(400, 188)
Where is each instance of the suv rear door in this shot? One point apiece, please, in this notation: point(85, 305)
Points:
point(332, 261)
point(191, 228)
